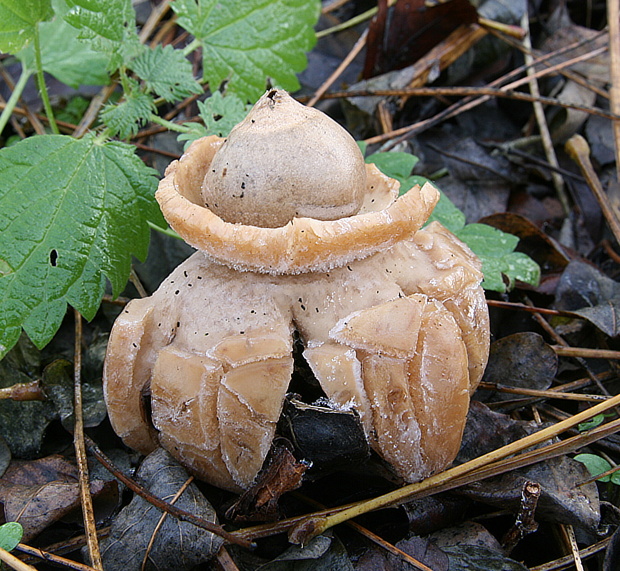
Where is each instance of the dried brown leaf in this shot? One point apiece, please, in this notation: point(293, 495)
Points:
point(38, 493)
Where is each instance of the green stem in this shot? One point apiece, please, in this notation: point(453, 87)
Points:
point(102, 137)
point(122, 74)
point(169, 124)
point(192, 46)
point(12, 102)
point(41, 83)
point(166, 231)
point(349, 23)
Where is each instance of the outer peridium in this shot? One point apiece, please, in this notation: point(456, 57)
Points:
point(397, 330)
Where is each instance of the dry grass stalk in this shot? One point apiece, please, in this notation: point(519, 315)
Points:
point(613, 16)
point(568, 561)
point(540, 393)
point(541, 119)
point(579, 150)
point(23, 392)
point(492, 464)
point(444, 54)
point(585, 352)
point(470, 103)
point(574, 548)
point(13, 562)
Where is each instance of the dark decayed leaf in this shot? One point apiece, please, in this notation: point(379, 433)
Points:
point(326, 438)
point(564, 497)
point(176, 545)
point(410, 31)
point(5, 456)
point(41, 492)
point(599, 133)
point(282, 474)
point(425, 551)
point(585, 290)
point(23, 424)
point(466, 533)
point(486, 430)
point(520, 360)
point(475, 558)
point(57, 384)
point(612, 553)
point(427, 515)
point(323, 553)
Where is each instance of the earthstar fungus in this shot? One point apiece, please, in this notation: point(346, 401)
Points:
point(295, 233)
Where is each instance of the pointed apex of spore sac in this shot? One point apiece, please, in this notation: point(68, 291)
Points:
point(283, 161)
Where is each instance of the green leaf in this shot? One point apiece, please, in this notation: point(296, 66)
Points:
point(488, 240)
point(109, 26)
point(447, 214)
point(247, 42)
point(194, 131)
point(592, 423)
point(125, 118)
point(74, 110)
point(394, 164)
point(64, 56)
point(18, 22)
point(72, 213)
point(219, 114)
point(496, 250)
point(167, 72)
point(494, 247)
point(106, 18)
point(398, 165)
point(519, 266)
point(10, 535)
point(513, 266)
point(595, 465)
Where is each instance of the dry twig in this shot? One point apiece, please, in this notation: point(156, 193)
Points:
point(357, 48)
point(182, 515)
point(525, 523)
point(52, 558)
point(80, 452)
point(23, 392)
point(161, 521)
